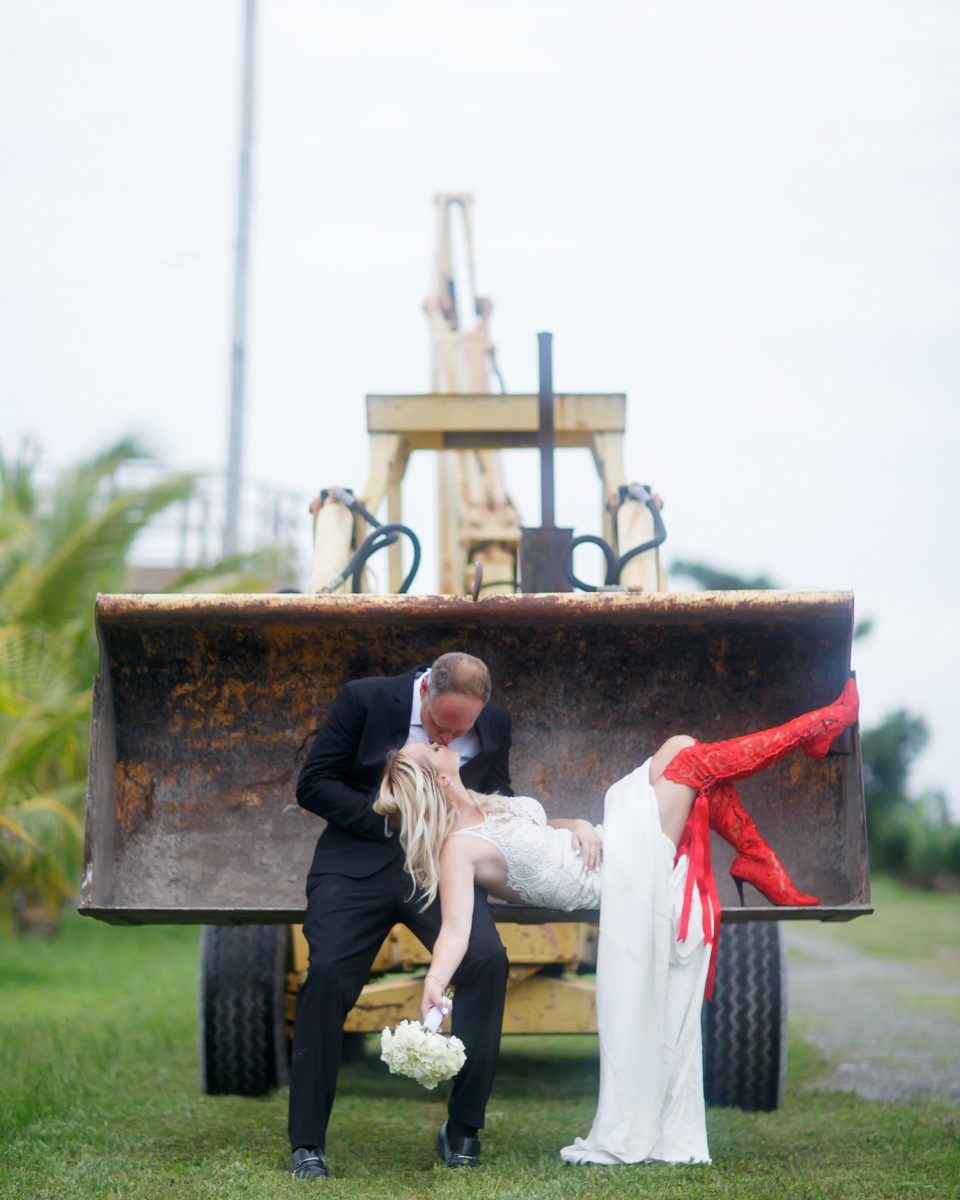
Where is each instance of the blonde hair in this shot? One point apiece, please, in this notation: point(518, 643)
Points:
point(411, 789)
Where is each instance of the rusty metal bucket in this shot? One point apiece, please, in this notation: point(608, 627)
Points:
point(205, 707)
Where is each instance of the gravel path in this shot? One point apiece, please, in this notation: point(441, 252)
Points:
point(891, 1029)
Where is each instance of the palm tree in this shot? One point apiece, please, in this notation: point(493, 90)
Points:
point(59, 547)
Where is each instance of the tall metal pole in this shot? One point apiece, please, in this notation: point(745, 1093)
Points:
point(546, 436)
point(238, 356)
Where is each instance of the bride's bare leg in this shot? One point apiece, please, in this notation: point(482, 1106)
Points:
point(684, 819)
point(674, 800)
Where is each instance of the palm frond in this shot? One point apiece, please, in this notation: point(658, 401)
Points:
point(44, 734)
point(18, 496)
point(59, 809)
point(31, 665)
point(92, 556)
point(17, 544)
point(59, 546)
point(15, 829)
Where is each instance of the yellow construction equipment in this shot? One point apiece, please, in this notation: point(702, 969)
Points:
point(205, 707)
point(479, 539)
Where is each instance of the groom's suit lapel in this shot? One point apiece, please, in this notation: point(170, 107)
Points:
point(474, 770)
point(482, 727)
point(400, 708)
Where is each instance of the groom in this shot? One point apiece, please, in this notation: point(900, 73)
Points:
point(357, 890)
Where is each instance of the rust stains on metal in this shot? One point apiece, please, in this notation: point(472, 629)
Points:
point(215, 701)
point(777, 606)
point(135, 796)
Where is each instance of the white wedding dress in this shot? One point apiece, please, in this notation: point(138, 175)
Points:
point(649, 985)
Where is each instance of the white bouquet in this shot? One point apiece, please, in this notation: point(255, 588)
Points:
point(421, 1053)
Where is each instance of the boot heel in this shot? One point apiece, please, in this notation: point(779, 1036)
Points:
point(739, 883)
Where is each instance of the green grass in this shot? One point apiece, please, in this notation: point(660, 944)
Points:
point(910, 925)
point(99, 1098)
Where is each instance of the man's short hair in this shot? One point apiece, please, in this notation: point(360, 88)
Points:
point(459, 674)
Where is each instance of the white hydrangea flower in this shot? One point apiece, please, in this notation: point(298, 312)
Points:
point(428, 1058)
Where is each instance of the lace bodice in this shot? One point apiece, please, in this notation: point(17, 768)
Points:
point(542, 866)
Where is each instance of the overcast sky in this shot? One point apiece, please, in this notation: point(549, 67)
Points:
point(743, 215)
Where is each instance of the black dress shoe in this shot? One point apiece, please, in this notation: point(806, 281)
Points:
point(309, 1163)
point(457, 1152)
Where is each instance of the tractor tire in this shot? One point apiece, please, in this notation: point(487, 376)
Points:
point(241, 1027)
point(745, 1024)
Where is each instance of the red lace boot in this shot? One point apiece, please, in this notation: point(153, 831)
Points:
point(756, 862)
point(707, 767)
point(706, 763)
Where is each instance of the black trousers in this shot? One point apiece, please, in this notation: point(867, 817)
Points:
point(345, 924)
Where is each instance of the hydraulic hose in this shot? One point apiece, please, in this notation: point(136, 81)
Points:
point(615, 565)
point(381, 536)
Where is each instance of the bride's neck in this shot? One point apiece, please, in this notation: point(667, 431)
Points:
point(463, 800)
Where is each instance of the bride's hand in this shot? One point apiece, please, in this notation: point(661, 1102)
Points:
point(433, 997)
point(588, 844)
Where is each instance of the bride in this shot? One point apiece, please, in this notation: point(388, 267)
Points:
point(659, 916)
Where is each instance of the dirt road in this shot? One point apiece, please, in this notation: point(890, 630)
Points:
point(891, 1029)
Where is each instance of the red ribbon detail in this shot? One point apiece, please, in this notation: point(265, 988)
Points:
point(695, 843)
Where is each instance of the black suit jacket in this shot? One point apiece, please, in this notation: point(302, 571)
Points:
point(339, 780)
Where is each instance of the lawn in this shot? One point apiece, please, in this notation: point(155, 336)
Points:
point(99, 1098)
point(913, 926)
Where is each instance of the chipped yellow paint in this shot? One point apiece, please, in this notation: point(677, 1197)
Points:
point(535, 1004)
point(547, 1005)
point(400, 951)
point(540, 943)
point(529, 948)
point(301, 952)
point(385, 1003)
